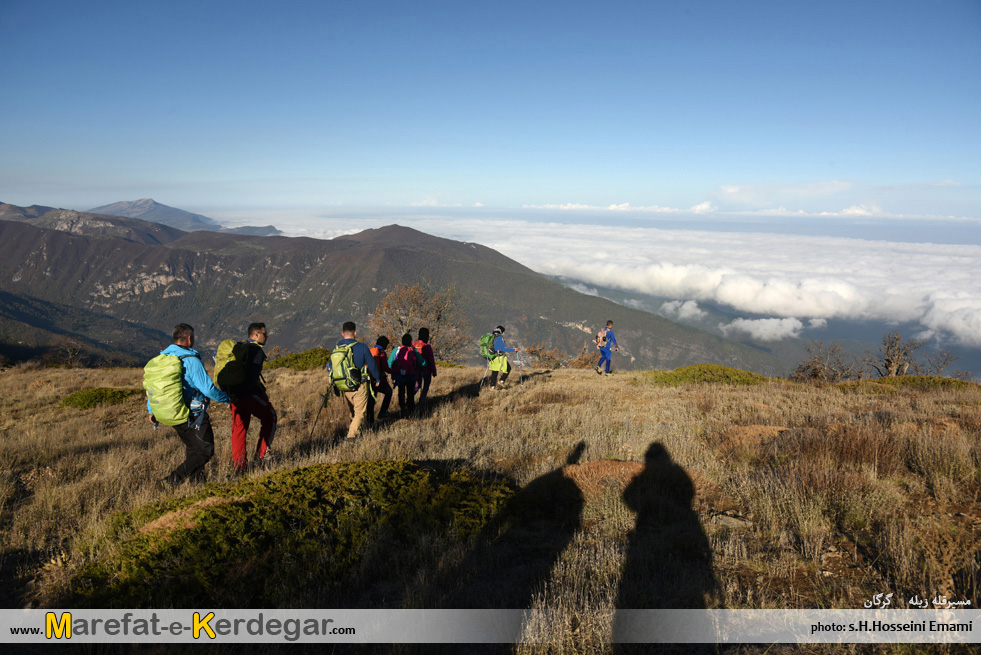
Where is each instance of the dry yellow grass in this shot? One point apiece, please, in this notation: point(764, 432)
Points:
point(778, 495)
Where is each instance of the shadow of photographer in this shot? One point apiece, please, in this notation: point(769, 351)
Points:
point(668, 563)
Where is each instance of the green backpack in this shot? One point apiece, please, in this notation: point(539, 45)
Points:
point(487, 347)
point(162, 379)
point(343, 374)
point(230, 363)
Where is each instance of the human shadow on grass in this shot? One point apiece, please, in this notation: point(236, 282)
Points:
point(513, 556)
point(668, 562)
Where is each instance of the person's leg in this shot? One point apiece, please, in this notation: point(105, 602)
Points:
point(199, 447)
point(386, 390)
point(402, 388)
point(426, 381)
point(609, 360)
point(369, 417)
point(506, 372)
point(241, 418)
point(266, 413)
point(410, 392)
point(359, 405)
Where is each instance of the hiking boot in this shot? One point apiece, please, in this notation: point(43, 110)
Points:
point(599, 370)
point(267, 460)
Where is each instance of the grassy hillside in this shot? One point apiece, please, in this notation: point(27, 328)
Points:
point(570, 491)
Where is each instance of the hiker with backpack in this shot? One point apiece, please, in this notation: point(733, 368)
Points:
point(428, 371)
point(238, 371)
point(499, 363)
point(383, 388)
point(405, 363)
point(606, 341)
point(178, 393)
point(353, 375)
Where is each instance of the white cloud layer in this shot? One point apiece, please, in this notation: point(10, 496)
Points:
point(765, 329)
point(797, 278)
point(685, 310)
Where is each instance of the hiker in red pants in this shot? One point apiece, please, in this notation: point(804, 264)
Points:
point(250, 399)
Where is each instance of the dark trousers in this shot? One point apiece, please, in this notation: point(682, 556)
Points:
point(427, 379)
point(384, 389)
point(199, 447)
point(407, 395)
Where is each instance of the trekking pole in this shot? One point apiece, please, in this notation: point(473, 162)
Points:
point(517, 357)
point(323, 401)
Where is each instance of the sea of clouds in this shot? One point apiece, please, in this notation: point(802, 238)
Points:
point(794, 281)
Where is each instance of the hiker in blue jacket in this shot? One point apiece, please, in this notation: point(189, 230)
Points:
point(357, 401)
point(606, 342)
point(198, 391)
point(500, 363)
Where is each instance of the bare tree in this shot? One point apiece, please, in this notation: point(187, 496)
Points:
point(827, 363)
point(68, 351)
point(587, 356)
point(938, 362)
point(544, 357)
point(406, 309)
point(896, 356)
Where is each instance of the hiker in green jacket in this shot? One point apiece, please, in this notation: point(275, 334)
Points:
point(500, 363)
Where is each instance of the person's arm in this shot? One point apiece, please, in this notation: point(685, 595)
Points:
point(253, 365)
point(501, 347)
point(198, 378)
point(612, 339)
point(427, 353)
point(368, 360)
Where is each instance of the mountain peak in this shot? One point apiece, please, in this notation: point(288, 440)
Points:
point(148, 209)
point(391, 235)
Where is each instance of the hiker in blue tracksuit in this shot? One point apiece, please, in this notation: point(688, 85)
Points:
point(198, 391)
point(606, 342)
point(500, 363)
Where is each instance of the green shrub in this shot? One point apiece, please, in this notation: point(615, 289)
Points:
point(702, 373)
point(925, 382)
point(867, 387)
point(304, 361)
point(89, 398)
point(892, 385)
point(303, 537)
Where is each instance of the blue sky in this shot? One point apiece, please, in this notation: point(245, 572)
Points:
point(643, 122)
point(814, 107)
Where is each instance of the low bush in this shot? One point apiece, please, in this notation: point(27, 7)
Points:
point(924, 382)
point(89, 398)
point(711, 373)
point(305, 537)
point(304, 361)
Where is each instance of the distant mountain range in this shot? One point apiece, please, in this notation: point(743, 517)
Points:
point(65, 269)
point(147, 209)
